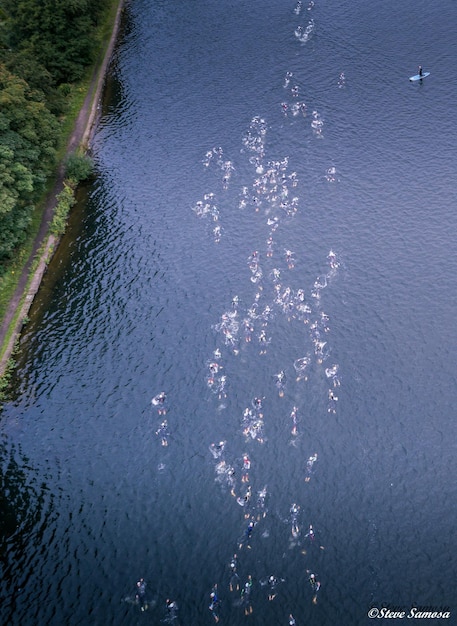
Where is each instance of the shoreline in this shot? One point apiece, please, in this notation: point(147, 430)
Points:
point(29, 282)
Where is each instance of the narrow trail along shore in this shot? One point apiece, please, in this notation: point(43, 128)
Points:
point(26, 289)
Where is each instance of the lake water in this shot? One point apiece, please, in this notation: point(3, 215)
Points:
point(269, 240)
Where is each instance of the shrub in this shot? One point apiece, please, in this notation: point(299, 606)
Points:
point(65, 200)
point(78, 167)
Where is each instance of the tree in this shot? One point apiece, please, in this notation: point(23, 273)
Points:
point(59, 35)
point(28, 137)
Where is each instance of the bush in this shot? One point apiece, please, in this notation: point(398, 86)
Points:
point(78, 167)
point(65, 200)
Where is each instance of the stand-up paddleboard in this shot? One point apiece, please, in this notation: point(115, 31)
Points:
point(420, 76)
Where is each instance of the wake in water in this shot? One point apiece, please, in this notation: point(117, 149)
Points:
point(305, 33)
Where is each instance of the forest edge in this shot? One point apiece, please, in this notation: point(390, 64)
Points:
point(46, 243)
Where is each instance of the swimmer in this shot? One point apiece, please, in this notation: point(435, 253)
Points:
point(280, 382)
point(140, 595)
point(253, 260)
point(294, 511)
point(248, 329)
point(333, 262)
point(172, 609)
point(163, 432)
point(230, 477)
point(266, 314)
point(310, 533)
point(247, 534)
point(217, 233)
point(274, 223)
point(159, 401)
point(311, 536)
point(272, 583)
point(264, 341)
point(245, 499)
point(261, 496)
point(246, 468)
point(234, 584)
point(332, 400)
point(255, 430)
point(294, 417)
point(246, 596)
point(315, 586)
point(292, 621)
point(215, 604)
point(217, 449)
point(275, 274)
point(214, 367)
point(226, 474)
point(309, 466)
point(220, 387)
point(257, 404)
point(287, 79)
point(319, 350)
point(289, 255)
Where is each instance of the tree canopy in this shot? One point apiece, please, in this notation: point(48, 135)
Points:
point(58, 35)
point(28, 135)
point(44, 46)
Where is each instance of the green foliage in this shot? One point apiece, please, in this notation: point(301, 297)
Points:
point(28, 138)
point(25, 65)
point(58, 34)
point(45, 47)
point(5, 378)
point(79, 167)
point(65, 200)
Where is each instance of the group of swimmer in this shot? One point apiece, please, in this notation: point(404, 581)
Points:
point(244, 588)
point(246, 328)
point(235, 474)
point(249, 328)
point(140, 599)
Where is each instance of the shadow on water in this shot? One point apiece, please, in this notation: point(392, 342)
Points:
point(27, 508)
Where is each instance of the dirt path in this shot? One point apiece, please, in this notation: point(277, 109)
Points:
point(80, 136)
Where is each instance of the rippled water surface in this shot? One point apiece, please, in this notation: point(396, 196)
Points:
point(270, 240)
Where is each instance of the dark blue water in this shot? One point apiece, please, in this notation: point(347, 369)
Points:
point(272, 196)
